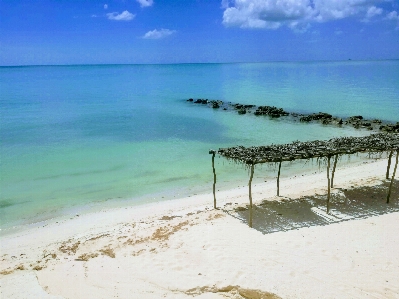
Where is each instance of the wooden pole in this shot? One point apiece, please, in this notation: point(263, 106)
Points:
point(393, 176)
point(328, 179)
point(389, 164)
point(333, 171)
point(250, 195)
point(278, 179)
point(214, 179)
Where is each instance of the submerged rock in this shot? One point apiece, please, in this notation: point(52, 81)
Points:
point(356, 117)
point(316, 116)
point(356, 121)
point(270, 110)
point(200, 101)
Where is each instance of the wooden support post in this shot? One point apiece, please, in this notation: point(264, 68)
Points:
point(328, 179)
point(333, 171)
point(250, 195)
point(214, 178)
point(389, 164)
point(278, 179)
point(393, 176)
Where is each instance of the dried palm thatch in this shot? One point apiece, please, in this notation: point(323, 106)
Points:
point(311, 149)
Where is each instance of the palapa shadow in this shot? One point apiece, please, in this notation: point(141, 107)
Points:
point(346, 205)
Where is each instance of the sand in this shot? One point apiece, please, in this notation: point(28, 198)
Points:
point(185, 249)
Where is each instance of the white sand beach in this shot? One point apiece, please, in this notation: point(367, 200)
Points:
point(185, 249)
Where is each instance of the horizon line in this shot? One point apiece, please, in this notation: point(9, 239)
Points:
point(184, 63)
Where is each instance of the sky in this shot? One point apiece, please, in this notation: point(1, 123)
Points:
point(50, 32)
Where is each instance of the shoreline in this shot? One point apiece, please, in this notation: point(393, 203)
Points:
point(289, 170)
point(228, 192)
point(182, 248)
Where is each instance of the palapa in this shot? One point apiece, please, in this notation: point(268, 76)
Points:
point(311, 149)
point(375, 143)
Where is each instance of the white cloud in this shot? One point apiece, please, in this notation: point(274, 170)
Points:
point(272, 14)
point(331, 10)
point(157, 34)
point(124, 16)
point(145, 3)
point(225, 4)
point(299, 27)
point(105, 6)
point(373, 11)
point(393, 15)
point(269, 14)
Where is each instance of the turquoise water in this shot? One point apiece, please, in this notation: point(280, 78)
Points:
point(104, 135)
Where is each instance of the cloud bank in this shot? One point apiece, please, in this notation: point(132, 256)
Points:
point(157, 34)
point(272, 14)
point(124, 16)
point(145, 3)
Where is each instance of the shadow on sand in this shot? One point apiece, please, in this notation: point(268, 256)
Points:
point(346, 204)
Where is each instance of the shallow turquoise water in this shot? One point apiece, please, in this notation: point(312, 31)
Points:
point(73, 136)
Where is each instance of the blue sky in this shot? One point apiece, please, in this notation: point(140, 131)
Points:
point(196, 31)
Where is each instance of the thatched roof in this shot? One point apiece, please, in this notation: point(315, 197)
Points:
point(381, 142)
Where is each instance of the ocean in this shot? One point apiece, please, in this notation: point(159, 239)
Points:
point(85, 137)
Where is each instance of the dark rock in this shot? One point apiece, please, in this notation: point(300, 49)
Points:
point(316, 116)
point(270, 110)
point(238, 106)
point(390, 128)
point(356, 121)
point(326, 121)
point(215, 105)
point(356, 117)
